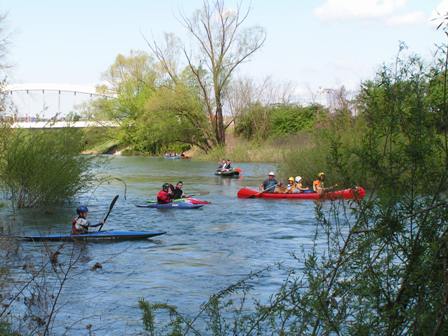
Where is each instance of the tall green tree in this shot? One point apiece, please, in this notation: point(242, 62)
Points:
point(133, 80)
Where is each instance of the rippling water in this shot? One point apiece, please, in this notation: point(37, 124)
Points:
point(204, 250)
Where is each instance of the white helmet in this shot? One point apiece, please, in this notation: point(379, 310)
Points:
point(271, 173)
point(298, 179)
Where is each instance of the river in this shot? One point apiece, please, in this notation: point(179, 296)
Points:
point(204, 250)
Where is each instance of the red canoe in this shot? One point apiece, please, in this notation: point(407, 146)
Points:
point(355, 193)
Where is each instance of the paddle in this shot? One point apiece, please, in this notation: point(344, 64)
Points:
point(199, 193)
point(263, 191)
point(108, 212)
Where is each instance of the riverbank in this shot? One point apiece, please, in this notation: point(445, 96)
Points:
point(236, 149)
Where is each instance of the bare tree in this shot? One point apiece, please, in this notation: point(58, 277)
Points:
point(220, 45)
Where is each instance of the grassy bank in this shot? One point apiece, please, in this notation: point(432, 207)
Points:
point(272, 150)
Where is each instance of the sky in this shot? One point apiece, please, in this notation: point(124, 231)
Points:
point(312, 44)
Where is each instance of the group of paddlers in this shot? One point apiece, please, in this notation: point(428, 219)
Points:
point(170, 193)
point(294, 185)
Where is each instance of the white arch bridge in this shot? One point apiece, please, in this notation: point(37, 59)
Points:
point(34, 111)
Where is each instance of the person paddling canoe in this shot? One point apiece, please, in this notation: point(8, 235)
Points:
point(291, 185)
point(319, 184)
point(269, 184)
point(80, 224)
point(165, 195)
point(299, 187)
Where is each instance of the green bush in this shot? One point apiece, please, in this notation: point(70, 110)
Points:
point(42, 167)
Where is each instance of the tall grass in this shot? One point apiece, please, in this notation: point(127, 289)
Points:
point(39, 168)
point(271, 150)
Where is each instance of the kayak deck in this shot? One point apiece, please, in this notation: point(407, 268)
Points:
point(95, 236)
point(174, 205)
point(180, 200)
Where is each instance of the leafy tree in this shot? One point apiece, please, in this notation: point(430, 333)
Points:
point(172, 116)
point(133, 79)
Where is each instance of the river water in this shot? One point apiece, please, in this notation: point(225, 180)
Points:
point(204, 250)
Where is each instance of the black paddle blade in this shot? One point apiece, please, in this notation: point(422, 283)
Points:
point(108, 213)
point(113, 202)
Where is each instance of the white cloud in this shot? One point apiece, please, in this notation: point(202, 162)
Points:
point(441, 8)
point(439, 12)
point(345, 9)
point(387, 11)
point(407, 18)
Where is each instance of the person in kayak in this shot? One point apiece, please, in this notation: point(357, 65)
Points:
point(299, 187)
point(269, 184)
point(165, 195)
point(80, 224)
point(227, 165)
point(177, 191)
point(221, 164)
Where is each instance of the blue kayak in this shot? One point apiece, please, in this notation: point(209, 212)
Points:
point(176, 205)
point(95, 236)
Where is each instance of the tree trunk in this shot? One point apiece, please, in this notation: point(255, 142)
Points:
point(219, 126)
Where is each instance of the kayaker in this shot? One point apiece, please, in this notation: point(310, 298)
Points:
point(269, 184)
point(80, 224)
point(298, 188)
point(228, 165)
point(177, 190)
point(165, 195)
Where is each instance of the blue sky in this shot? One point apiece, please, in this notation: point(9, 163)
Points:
point(321, 43)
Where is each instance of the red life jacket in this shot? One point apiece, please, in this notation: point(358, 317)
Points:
point(163, 197)
point(74, 230)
